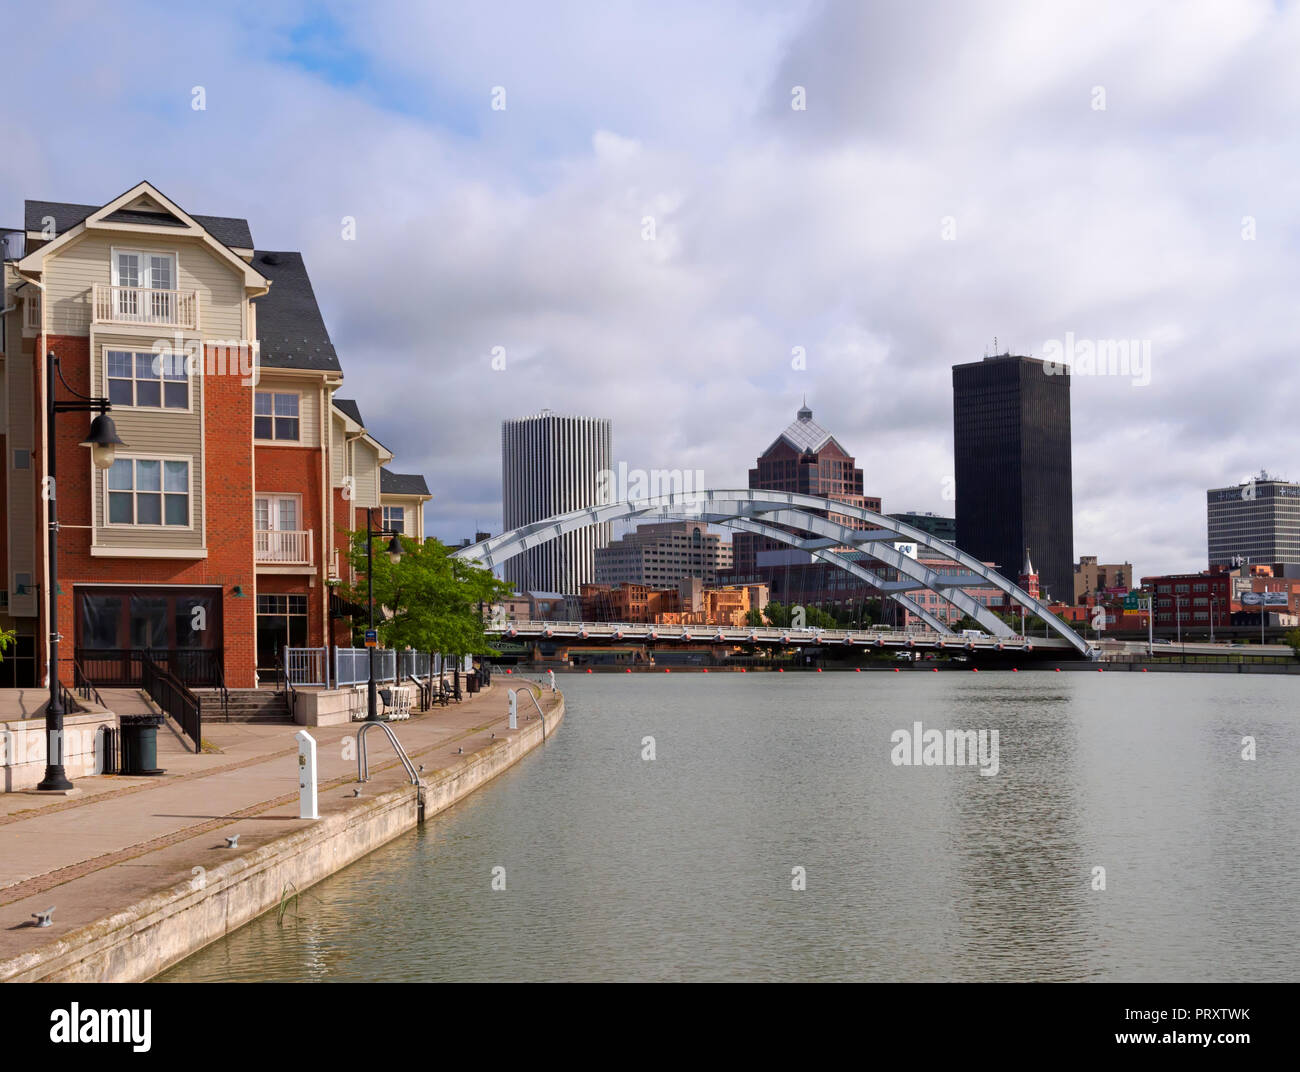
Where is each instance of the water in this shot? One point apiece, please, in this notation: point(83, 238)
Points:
point(620, 868)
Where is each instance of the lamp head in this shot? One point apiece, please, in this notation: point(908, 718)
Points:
point(103, 441)
point(395, 549)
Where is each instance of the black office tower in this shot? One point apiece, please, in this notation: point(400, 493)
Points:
point(1011, 447)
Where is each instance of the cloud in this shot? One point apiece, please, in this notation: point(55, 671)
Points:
point(773, 228)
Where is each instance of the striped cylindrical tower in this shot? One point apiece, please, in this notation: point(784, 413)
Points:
point(551, 465)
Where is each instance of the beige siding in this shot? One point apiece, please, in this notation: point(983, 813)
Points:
point(338, 458)
point(366, 473)
point(158, 432)
point(72, 272)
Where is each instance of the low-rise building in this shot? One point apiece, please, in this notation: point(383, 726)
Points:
point(1092, 578)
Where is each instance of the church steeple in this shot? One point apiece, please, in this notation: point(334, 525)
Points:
point(1029, 576)
point(804, 414)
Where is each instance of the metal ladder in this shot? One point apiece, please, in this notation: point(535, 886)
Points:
point(363, 765)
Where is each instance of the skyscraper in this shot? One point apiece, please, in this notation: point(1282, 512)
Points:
point(551, 465)
point(807, 459)
point(1258, 521)
point(1011, 447)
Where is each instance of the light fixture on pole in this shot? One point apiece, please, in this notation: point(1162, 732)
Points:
point(103, 442)
point(394, 556)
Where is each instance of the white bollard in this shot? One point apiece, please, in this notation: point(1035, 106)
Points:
point(514, 709)
point(552, 677)
point(306, 776)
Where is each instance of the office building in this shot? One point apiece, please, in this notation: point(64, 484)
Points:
point(551, 465)
point(663, 554)
point(1011, 447)
point(1257, 522)
point(943, 528)
point(1092, 578)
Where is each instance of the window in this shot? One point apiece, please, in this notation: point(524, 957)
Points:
point(395, 518)
point(149, 491)
point(275, 415)
point(147, 379)
point(22, 459)
point(135, 271)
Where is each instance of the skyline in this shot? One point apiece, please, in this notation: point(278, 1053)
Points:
point(523, 228)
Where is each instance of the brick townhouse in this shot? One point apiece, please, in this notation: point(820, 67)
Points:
point(220, 531)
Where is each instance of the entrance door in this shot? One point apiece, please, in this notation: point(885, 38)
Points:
point(281, 623)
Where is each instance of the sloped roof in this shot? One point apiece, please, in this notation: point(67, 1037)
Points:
point(289, 323)
point(349, 408)
point(228, 230)
point(804, 434)
point(391, 483)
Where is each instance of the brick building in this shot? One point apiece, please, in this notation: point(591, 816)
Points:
point(215, 537)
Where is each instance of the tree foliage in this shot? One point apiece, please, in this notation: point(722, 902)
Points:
point(430, 601)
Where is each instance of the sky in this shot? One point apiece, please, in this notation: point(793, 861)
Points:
point(687, 217)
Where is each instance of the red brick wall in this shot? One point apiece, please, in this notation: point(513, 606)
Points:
point(228, 484)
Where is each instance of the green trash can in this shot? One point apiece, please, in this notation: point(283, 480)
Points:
point(140, 744)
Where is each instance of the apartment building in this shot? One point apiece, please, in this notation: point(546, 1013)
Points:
point(218, 533)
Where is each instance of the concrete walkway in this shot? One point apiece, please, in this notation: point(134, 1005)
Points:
point(122, 838)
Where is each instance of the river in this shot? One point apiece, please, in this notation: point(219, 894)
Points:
point(684, 866)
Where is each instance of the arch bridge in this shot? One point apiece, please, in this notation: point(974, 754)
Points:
point(797, 521)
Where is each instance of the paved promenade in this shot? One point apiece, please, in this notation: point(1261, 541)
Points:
point(120, 838)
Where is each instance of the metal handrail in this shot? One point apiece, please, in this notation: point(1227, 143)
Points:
point(536, 705)
point(225, 692)
point(169, 693)
point(85, 688)
point(363, 764)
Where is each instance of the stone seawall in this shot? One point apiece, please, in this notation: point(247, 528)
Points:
point(138, 941)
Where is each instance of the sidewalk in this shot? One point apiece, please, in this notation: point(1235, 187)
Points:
point(122, 838)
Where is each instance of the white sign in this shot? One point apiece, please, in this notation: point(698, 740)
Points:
point(908, 549)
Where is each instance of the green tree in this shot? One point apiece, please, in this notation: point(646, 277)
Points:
point(430, 601)
point(754, 616)
point(1293, 638)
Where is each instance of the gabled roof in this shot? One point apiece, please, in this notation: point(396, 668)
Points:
point(402, 484)
point(290, 327)
point(349, 409)
point(804, 434)
point(227, 230)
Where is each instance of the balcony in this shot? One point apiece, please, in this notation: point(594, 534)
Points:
point(142, 305)
point(282, 547)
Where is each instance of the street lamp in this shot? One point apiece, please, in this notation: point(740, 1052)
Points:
point(103, 442)
point(394, 556)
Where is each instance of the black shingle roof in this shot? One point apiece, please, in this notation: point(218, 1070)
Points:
point(401, 483)
point(289, 325)
point(349, 407)
point(225, 229)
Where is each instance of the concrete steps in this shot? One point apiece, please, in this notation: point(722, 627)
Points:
point(246, 705)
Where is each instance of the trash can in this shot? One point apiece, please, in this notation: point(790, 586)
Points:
point(140, 744)
point(471, 682)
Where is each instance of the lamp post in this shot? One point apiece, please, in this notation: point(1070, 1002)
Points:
point(103, 443)
point(394, 553)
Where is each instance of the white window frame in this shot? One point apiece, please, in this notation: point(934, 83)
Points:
point(273, 392)
point(134, 457)
point(388, 524)
point(273, 510)
point(144, 254)
point(190, 379)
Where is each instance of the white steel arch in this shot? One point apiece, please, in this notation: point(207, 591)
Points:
point(760, 511)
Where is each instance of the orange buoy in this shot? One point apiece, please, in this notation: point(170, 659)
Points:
point(974, 669)
point(858, 669)
point(934, 669)
point(628, 670)
point(509, 671)
point(667, 670)
point(1015, 669)
point(1099, 670)
point(819, 669)
point(1144, 669)
point(895, 669)
point(589, 669)
point(1058, 669)
point(706, 669)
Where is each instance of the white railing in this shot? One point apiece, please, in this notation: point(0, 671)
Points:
point(32, 315)
point(143, 305)
point(306, 666)
point(283, 547)
point(352, 665)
